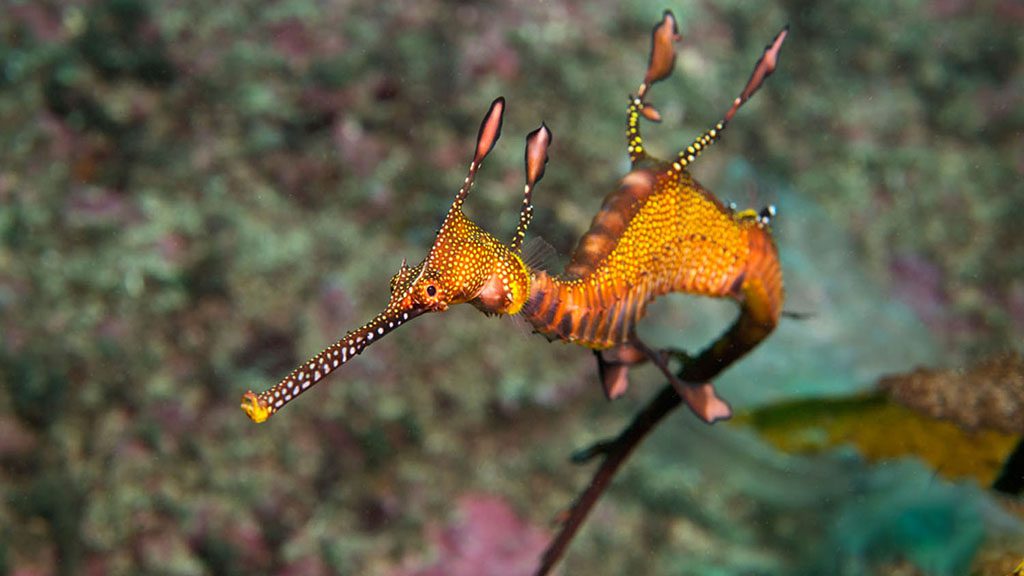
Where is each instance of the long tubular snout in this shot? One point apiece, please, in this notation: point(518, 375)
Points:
point(264, 405)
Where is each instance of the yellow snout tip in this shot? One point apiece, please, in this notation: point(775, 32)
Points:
point(256, 410)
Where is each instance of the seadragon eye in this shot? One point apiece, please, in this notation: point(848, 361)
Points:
point(431, 291)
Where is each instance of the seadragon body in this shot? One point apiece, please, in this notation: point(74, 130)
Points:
point(658, 232)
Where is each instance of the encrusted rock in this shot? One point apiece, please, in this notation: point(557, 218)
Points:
point(989, 395)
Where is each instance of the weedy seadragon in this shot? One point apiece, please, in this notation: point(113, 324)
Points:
point(658, 231)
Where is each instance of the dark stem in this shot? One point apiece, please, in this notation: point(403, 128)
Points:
point(744, 334)
point(1011, 478)
point(615, 453)
point(702, 368)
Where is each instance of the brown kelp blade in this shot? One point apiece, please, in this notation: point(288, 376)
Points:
point(490, 131)
point(536, 160)
point(762, 70)
point(663, 51)
point(537, 143)
point(264, 405)
point(650, 113)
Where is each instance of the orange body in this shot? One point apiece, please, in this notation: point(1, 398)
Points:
point(659, 232)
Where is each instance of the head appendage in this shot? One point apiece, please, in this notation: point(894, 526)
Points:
point(537, 143)
point(762, 70)
point(490, 131)
point(659, 66)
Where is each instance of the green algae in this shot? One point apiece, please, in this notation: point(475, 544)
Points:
point(882, 430)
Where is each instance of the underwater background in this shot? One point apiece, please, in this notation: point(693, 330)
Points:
point(196, 196)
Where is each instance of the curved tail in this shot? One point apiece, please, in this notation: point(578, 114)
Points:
point(761, 296)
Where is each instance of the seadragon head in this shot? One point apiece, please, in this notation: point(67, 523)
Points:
point(465, 264)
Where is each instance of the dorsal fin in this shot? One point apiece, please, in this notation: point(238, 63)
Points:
point(539, 255)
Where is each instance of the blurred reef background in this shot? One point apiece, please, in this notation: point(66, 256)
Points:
point(195, 196)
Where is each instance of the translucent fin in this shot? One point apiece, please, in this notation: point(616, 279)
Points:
point(539, 255)
point(523, 326)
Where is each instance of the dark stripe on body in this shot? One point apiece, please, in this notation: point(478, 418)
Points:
point(611, 222)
